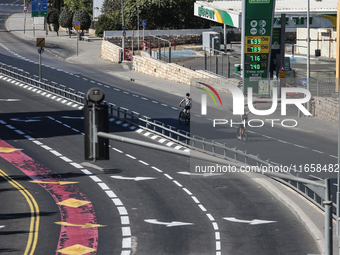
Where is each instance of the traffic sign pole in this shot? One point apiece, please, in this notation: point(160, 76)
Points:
point(25, 20)
point(40, 66)
point(77, 28)
point(123, 42)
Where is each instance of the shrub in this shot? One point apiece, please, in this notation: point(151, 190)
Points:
point(84, 19)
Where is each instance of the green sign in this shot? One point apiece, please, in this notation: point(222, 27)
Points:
point(258, 32)
point(39, 8)
point(259, 1)
point(39, 13)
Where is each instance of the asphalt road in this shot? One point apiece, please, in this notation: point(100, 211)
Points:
point(50, 133)
point(130, 222)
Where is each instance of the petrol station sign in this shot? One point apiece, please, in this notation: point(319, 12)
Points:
point(257, 41)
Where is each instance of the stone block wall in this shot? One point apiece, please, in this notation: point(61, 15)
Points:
point(111, 52)
point(176, 73)
point(327, 108)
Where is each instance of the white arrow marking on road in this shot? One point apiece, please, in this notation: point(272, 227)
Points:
point(168, 224)
point(69, 117)
point(251, 222)
point(10, 100)
point(2, 226)
point(136, 179)
point(204, 175)
point(30, 120)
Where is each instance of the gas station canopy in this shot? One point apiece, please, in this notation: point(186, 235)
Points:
point(322, 13)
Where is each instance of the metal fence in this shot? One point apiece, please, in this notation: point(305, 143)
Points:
point(220, 151)
point(323, 87)
point(216, 61)
point(157, 48)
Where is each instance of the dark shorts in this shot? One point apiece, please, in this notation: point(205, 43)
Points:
point(187, 107)
point(242, 125)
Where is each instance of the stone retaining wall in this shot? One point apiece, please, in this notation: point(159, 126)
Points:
point(176, 73)
point(111, 52)
point(327, 108)
point(173, 72)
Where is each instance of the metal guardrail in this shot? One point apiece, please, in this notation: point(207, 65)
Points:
point(60, 91)
point(212, 148)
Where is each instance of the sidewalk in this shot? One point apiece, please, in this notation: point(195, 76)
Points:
point(89, 54)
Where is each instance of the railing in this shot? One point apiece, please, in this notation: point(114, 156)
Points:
point(128, 54)
point(220, 151)
point(217, 62)
point(323, 87)
point(158, 48)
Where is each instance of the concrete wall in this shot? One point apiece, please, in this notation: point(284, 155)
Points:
point(327, 108)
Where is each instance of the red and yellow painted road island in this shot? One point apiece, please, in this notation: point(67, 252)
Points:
point(79, 228)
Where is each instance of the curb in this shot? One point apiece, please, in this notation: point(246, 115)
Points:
point(297, 211)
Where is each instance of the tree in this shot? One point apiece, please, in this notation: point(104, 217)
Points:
point(53, 18)
point(108, 22)
point(111, 5)
point(66, 20)
point(163, 14)
point(83, 17)
point(86, 5)
point(57, 4)
point(75, 5)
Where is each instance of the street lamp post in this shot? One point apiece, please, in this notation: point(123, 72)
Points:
point(308, 53)
point(138, 25)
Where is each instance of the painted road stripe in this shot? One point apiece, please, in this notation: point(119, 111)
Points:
point(95, 178)
point(66, 159)
point(46, 147)
point(126, 231)
point(117, 150)
point(35, 218)
point(122, 210)
point(215, 226)
point(117, 201)
point(158, 170)
point(110, 193)
point(195, 199)
point(210, 217)
point(87, 237)
point(187, 191)
point(76, 165)
point(37, 142)
point(168, 176)
point(103, 186)
point(87, 172)
point(178, 184)
point(202, 208)
point(126, 242)
point(19, 132)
